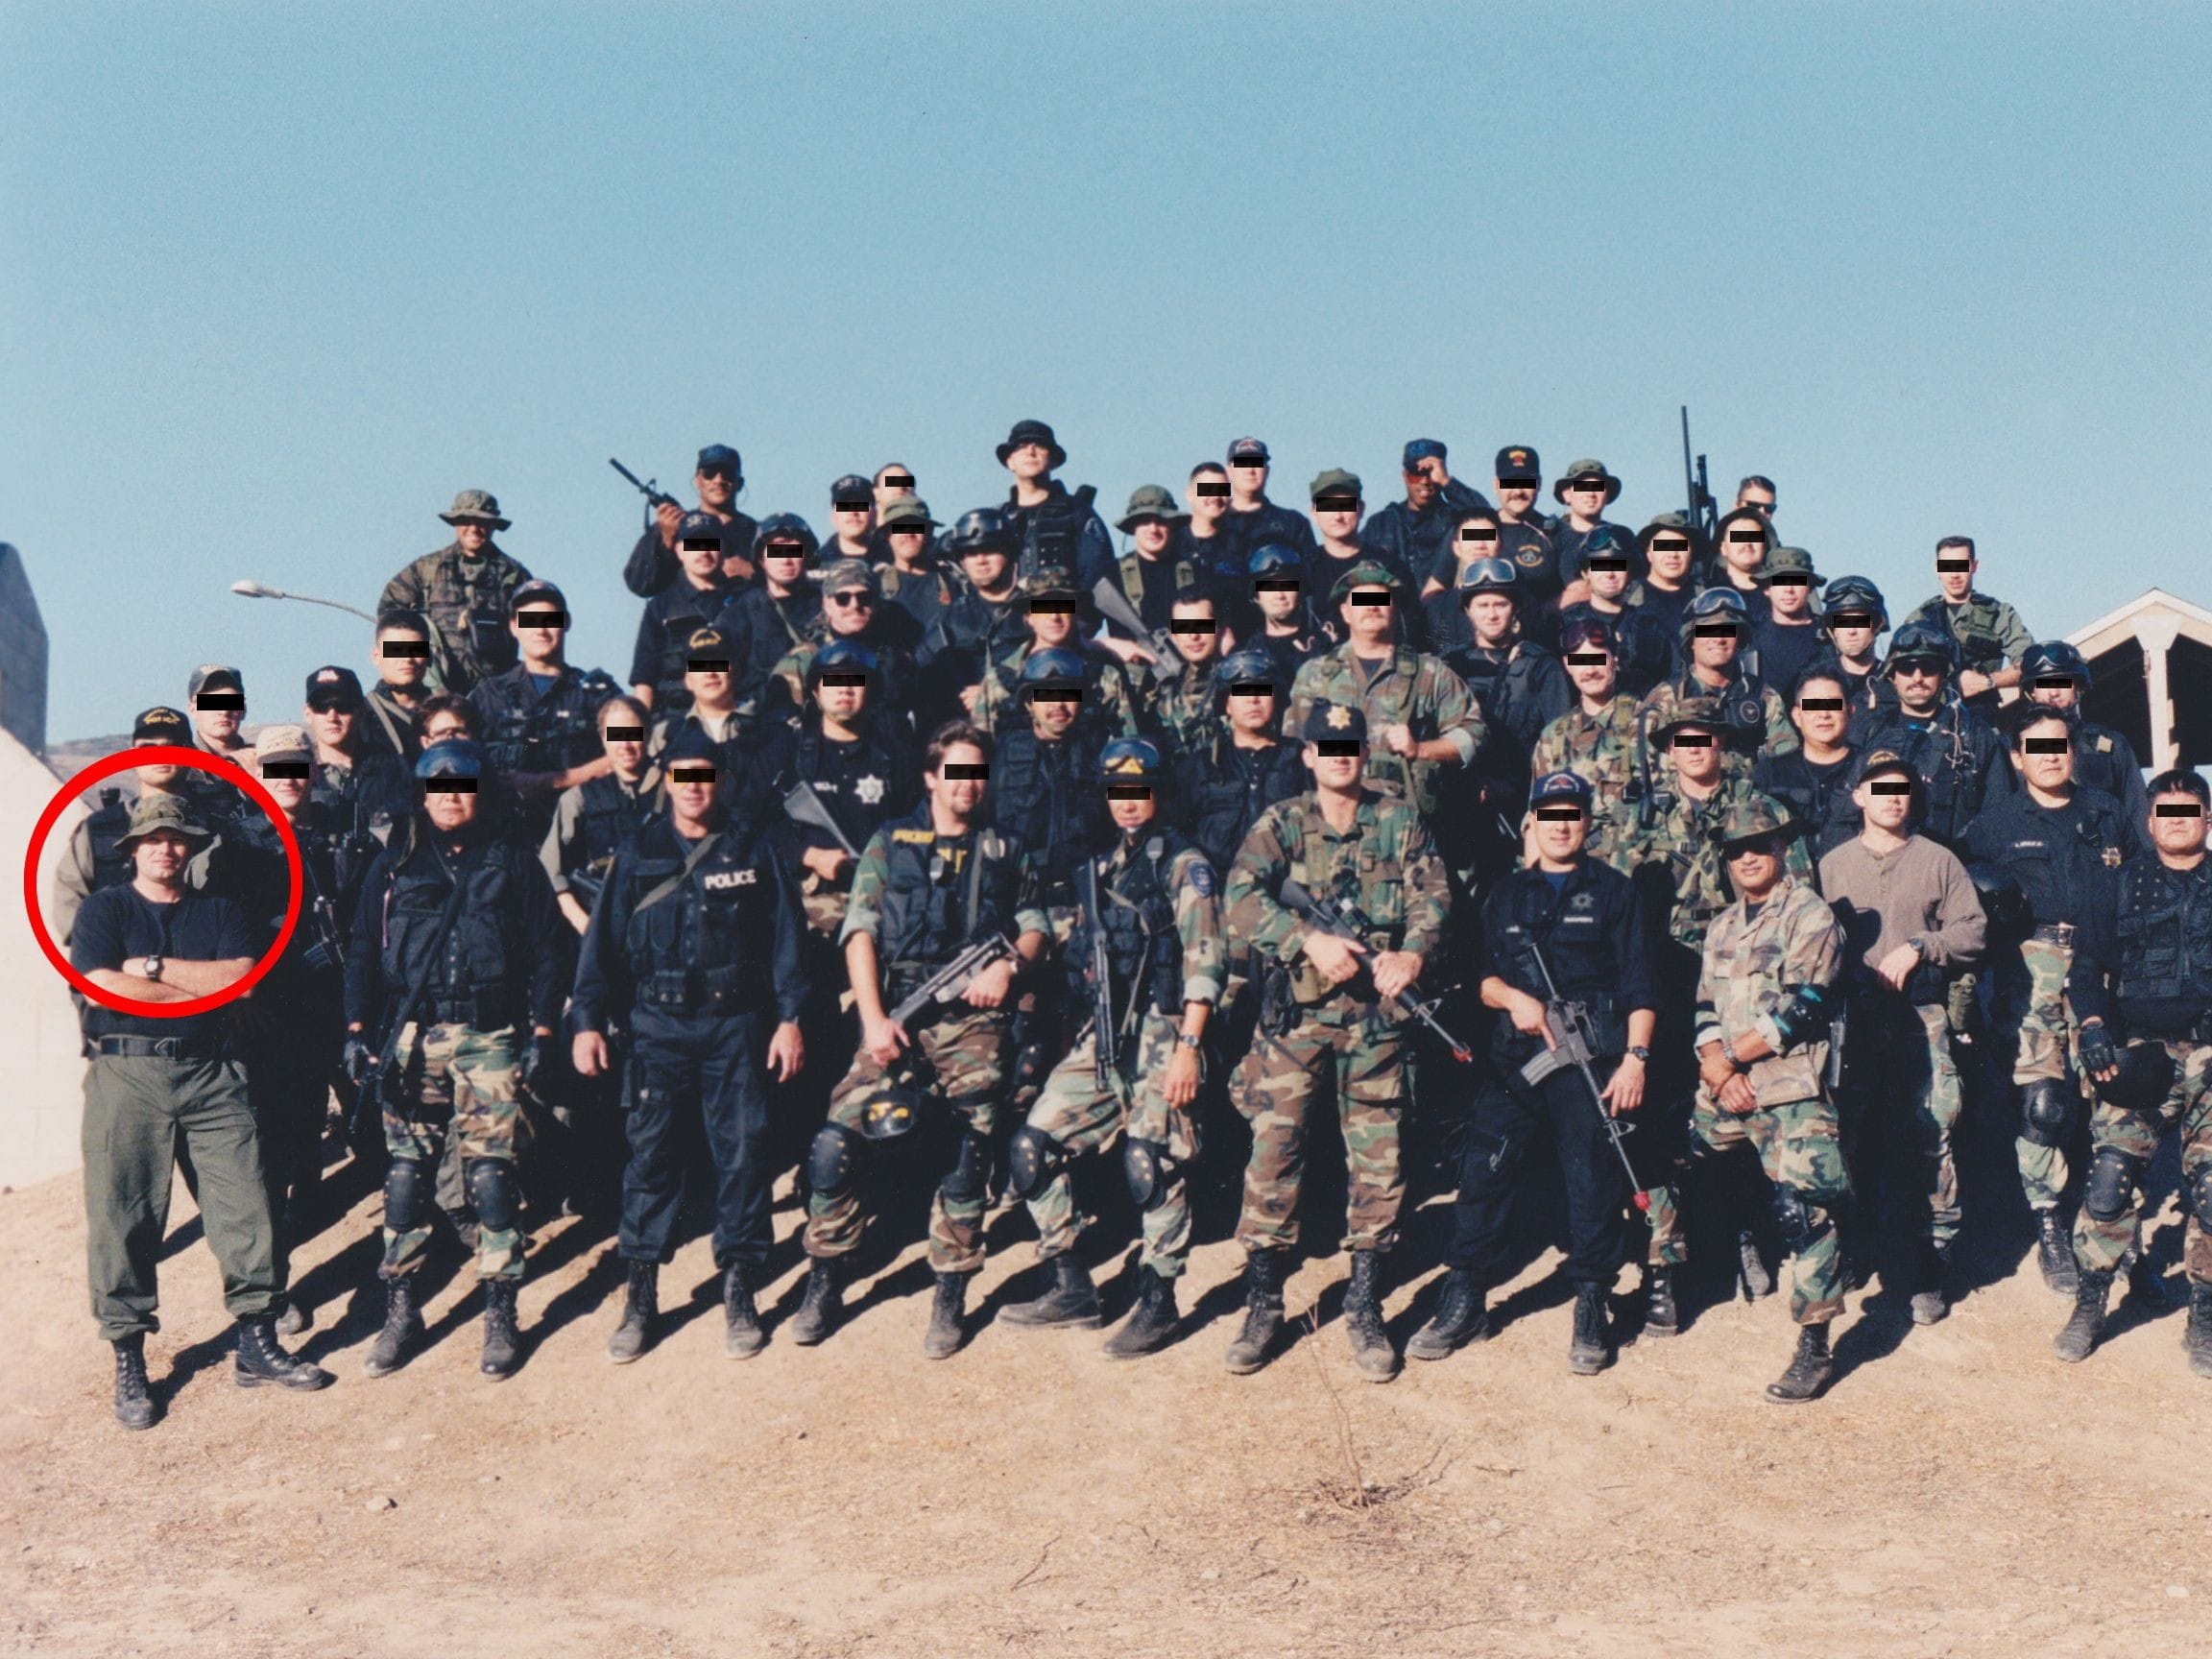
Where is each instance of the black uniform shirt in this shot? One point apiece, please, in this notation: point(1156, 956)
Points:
point(119, 922)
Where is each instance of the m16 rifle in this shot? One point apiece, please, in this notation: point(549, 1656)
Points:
point(803, 805)
point(1704, 512)
point(1342, 918)
point(1574, 1040)
point(1113, 605)
point(656, 497)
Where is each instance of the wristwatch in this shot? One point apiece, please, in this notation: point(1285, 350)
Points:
point(154, 967)
point(1728, 1053)
point(1190, 1039)
point(1637, 1052)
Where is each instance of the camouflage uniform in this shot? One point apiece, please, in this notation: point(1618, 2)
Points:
point(467, 603)
point(460, 1088)
point(1601, 749)
point(1752, 965)
point(2100, 1243)
point(1110, 697)
point(1750, 706)
point(1079, 1115)
point(1414, 690)
point(1187, 707)
point(2028, 1010)
point(1989, 632)
point(1389, 863)
point(958, 1053)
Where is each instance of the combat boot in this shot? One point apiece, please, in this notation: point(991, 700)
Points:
point(2197, 1337)
point(1263, 1310)
point(1151, 1324)
point(401, 1326)
point(2077, 1337)
point(2054, 1254)
point(260, 1360)
point(502, 1343)
point(1930, 1304)
point(1371, 1350)
point(942, 1340)
point(1810, 1369)
point(293, 1321)
point(640, 1306)
point(1073, 1300)
point(1587, 1351)
point(825, 1300)
point(1460, 1318)
point(134, 1399)
point(742, 1337)
point(1758, 1277)
point(1662, 1315)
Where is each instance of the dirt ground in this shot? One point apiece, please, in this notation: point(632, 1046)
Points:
point(1959, 1492)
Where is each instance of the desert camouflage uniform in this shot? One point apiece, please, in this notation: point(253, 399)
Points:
point(1082, 1117)
point(1387, 861)
point(1602, 751)
point(1414, 690)
point(459, 1085)
point(1752, 965)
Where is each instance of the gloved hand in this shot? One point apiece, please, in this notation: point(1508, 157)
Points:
point(2098, 1056)
point(530, 1062)
point(359, 1062)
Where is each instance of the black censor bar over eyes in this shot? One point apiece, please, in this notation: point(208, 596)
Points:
point(1043, 607)
point(1606, 561)
point(284, 769)
point(2053, 681)
point(1128, 791)
point(1668, 545)
point(1587, 659)
point(1209, 489)
point(690, 773)
point(1714, 630)
point(1693, 740)
point(898, 480)
point(707, 666)
point(967, 771)
point(1789, 580)
point(2176, 810)
point(1473, 534)
point(698, 545)
point(1891, 787)
point(1193, 625)
point(1251, 688)
point(1852, 620)
point(832, 679)
point(1338, 748)
point(1954, 567)
point(2047, 745)
point(404, 648)
point(1335, 503)
point(541, 618)
point(1518, 483)
point(852, 504)
point(624, 734)
point(1275, 585)
point(1370, 598)
point(448, 785)
point(1559, 814)
point(1745, 536)
point(1053, 694)
point(1821, 705)
point(209, 702)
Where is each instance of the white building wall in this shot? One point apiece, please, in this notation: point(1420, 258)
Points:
point(42, 1063)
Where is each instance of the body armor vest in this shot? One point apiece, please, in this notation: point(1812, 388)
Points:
point(706, 944)
point(2165, 934)
point(1051, 797)
point(610, 816)
point(1143, 949)
point(940, 894)
point(477, 974)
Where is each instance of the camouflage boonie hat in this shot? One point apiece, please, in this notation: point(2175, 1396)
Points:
point(1787, 562)
point(1708, 714)
point(283, 743)
point(1366, 573)
point(1752, 820)
point(475, 507)
point(1586, 467)
point(169, 813)
point(1149, 502)
point(843, 575)
point(1056, 581)
point(909, 512)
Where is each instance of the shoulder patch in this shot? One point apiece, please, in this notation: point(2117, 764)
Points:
point(1529, 556)
point(915, 837)
point(1200, 873)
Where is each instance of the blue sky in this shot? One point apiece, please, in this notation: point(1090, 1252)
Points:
point(278, 282)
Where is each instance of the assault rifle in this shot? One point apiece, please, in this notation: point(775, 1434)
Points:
point(1113, 605)
point(1101, 976)
point(1704, 510)
point(955, 976)
point(1574, 1036)
point(656, 497)
point(1342, 919)
point(802, 805)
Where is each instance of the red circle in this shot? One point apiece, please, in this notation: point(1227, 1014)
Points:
point(124, 760)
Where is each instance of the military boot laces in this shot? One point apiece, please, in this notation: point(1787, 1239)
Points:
point(742, 1337)
point(2197, 1337)
point(1758, 1277)
point(1810, 1369)
point(401, 1326)
point(502, 1342)
point(1662, 1316)
point(1073, 1300)
point(818, 1312)
point(2054, 1254)
point(1587, 1353)
point(1263, 1311)
point(2079, 1336)
point(1460, 1318)
point(640, 1306)
point(942, 1340)
point(1151, 1324)
point(260, 1360)
point(134, 1399)
point(1371, 1350)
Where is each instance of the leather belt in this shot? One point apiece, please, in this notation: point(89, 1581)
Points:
point(162, 1048)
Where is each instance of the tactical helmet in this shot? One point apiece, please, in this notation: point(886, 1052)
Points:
point(2145, 1074)
point(1244, 666)
point(1273, 559)
point(1855, 594)
point(2054, 657)
point(784, 527)
point(984, 530)
point(1132, 761)
point(2006, 908)
point(1487, 576)
point(1922, 643)
point(840, 656)
point(1055, 668)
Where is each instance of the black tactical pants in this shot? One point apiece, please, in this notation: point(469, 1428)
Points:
point(707, 1066)
point(1491, 1154)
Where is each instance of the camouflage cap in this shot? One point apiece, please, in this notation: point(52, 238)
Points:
point(1753, 820)
point(161, 724)
point(1787, 562)
point(1586, 467)
point(1327, 722)
point(283, 743)
point(1336, 482)
point(1149, 502)
point(475, 507)
point(170, 813)
point(910, 513)
point(1365, 573)
point(846, 575)
point(1055, 580)
point(1706, 714)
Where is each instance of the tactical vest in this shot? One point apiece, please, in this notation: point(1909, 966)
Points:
point(1974, 625)
point(551, 733)
point(479, 973)
point(467, 602)
point(1944, 761)
point(1791, 780)
point(609, 816)
point(1503, 688)
point(1577, 947)
point(1143, 949)
point(938, 895)
point(706, 944)
point(1228, 795)
point(111, 866)
point(1051, 796)
point(1054, 533)
point(2097, 761)
point(2165, 936)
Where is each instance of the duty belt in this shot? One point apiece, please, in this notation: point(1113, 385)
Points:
point(2059, 934)
point(163, 1048)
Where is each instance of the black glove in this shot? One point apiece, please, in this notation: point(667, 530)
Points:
point(2098, 1054)
point(359, 1062)
point(530, 1061)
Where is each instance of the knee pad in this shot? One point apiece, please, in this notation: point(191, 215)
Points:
point(2199, 1190)
point(2111, 1184)
point(1032, 1158)
point(2046, 1112)
point(406, 1205)
point(966, 1183)
point(1802, 1221)
point(1151, 1172)
point(493, 1193)
point(831, 1161)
